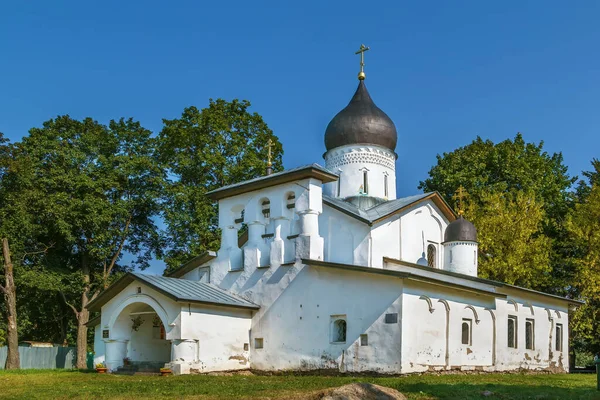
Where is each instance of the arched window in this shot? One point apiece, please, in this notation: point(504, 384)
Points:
point(338, 330)
point(266, 208)
point(431, 256)
point(466, 332)
point(529, 336)
point(385, 186)
point(365, 182)
point(339, 184)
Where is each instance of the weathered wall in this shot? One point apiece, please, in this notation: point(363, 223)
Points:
point(214, 339)
point(296, 329)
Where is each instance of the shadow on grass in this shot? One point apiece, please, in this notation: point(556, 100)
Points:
point(496, 391)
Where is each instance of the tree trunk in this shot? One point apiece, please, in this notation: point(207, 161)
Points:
point(83, 317)
point(10, 297)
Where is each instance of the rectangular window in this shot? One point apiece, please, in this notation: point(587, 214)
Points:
point(365, 183)
point(559, 337)
point(466, 337)
point(391, 318)
point(364, 340)
point(529, 334)
point(385, 186)
point(339, 184)
point(512, 331)
point(258, 343)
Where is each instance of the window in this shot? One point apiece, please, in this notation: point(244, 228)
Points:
point(512, 331)
point(338, 329)
point(258, 343)
point(450, 256)
point(475, 257)
point(364, 340)
point(529, 334)
point(365, 182)
point(385, 185)
point(139, 289)
point(339, 184)
point(266, 208)
point(391, 318)
point(559, 337)
point(431, 255)
point(466, 331)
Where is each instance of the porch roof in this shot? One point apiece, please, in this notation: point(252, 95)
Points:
point(180, 290)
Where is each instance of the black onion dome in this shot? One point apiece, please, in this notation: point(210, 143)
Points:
point(361, 122)
point(460, 230)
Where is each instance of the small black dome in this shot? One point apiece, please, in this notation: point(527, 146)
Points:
point(361, 122)
point(460, 230)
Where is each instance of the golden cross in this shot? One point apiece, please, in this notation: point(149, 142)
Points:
point(460, 196)
point(361, 51)
point(269, 145)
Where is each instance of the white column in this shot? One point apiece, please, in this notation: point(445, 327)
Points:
point(282, 229)
point(184, 353)
point(229, 252)
point(252, 250)
point(116, 351)
point(309, 244)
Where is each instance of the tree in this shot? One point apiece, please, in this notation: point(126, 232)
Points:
point(509, 167)
point(101, 187)
point(584, 225)
point(203, 150)
point(510, 247)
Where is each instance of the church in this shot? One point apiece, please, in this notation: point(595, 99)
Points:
point(324, 268)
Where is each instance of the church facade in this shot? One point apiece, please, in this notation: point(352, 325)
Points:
point(333, 272)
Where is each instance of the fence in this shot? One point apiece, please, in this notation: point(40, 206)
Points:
point(42, 357)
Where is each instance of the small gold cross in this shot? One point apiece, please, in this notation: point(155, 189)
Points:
point(361, 51)
point(460, 196)
point(269, 145)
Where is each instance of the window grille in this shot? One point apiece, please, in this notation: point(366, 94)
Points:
point(431, 256)
point(466, 337)
point(339, 330)
point(559, 337)
point(529, 334)
point(512, 331)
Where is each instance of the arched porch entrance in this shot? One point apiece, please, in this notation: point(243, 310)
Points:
point(138, 337)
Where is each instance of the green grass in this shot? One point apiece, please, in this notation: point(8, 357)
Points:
point(35, 384)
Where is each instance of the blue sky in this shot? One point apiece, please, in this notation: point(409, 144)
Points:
point(445, 72)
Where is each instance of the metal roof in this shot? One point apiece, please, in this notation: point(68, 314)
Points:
point(200, 292)
point(180, 290)
point(381, 210)
point(290, 175)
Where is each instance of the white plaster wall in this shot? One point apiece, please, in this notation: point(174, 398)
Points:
point(346, 239)
point(424, 220)
point(425, 343)
point(200, 274)
point(216, 338)
point(145, 344)
point(296, 328)
point(461, 257)
point(99, 351)
point(350, 162)
point(544, 355)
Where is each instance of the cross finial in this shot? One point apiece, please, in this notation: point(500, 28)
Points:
point(361, 51)
point(269, 163)
point(460, 196)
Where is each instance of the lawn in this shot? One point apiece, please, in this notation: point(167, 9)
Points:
point(57, 384)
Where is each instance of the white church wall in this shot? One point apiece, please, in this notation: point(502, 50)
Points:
point(199, 274)
point(213, 338)
point(352, 161)
point(99, 351)
point(296, 330)
point(424, 220)
point(545, 316)
point(346, 239)
point(432, 340)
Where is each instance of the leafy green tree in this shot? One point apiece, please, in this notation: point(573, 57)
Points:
point(510, 247)
point(203, 150)
point(101, 187)
point(584, 225)
point(484, 167)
